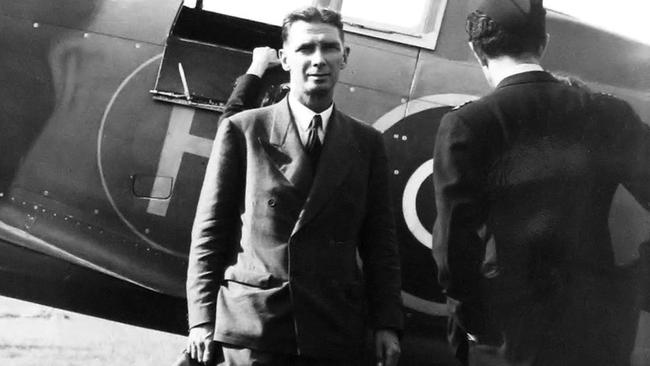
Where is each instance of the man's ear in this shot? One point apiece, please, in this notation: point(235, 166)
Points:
point(283, 59)
point(481, 60)
point(346, 54)
point(544, 46)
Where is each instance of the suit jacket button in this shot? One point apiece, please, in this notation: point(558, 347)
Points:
point(271, 202)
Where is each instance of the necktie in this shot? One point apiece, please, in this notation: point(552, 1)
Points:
point(314, 146)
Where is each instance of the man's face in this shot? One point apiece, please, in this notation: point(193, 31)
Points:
point(313, 54)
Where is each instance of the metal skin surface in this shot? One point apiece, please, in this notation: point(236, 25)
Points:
point(99, 182)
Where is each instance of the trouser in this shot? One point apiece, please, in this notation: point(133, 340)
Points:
point(240, 356)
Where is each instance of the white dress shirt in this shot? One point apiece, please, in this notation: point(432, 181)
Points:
point(499, 75)
point(303, 116)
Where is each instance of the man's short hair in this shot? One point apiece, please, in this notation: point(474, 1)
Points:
point(492, 40)
point(312, 14)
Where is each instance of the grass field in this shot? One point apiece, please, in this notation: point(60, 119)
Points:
point(35, 335)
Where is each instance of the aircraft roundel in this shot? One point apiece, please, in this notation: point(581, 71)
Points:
point(409, 134)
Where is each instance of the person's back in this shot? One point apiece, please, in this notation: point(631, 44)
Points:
point(552, 174)
point(524, 180)
point(556, 156)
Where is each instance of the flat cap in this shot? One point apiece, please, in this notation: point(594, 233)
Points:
point(515, 15)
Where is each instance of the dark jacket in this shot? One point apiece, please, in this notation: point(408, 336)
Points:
point(245, 95)
point(535, 165)
point(286, 242)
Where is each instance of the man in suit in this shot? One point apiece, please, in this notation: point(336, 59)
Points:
point(524, 178)
point(293, 247)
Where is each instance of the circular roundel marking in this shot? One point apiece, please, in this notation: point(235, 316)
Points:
point(409, 203)
point(137, 136)
point(418, 177)
point(102, 170)
point(409, 133)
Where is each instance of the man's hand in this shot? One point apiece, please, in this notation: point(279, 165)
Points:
point(387, 348)
point(200, 345)
point(263, 58)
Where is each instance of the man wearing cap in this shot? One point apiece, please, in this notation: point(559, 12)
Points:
point(524, 178)
point(293, 251)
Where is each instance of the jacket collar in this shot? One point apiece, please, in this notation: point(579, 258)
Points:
point(287, 152)
point(282, 122)
point(527, 77)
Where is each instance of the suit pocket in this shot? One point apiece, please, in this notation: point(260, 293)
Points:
point(250, 307)
point(250, 278)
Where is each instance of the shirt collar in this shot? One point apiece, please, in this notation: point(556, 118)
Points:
point(517, 69)
point(303, 115)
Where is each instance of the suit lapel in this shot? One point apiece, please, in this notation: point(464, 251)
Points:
point(285, 149)
point(335, 160)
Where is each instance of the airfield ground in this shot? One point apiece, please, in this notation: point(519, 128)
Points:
point(35, 335)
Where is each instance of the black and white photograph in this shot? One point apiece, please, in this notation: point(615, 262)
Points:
point(324, 183)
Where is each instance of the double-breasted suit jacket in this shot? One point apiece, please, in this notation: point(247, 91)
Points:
point(287, 259)
point(536, 164)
